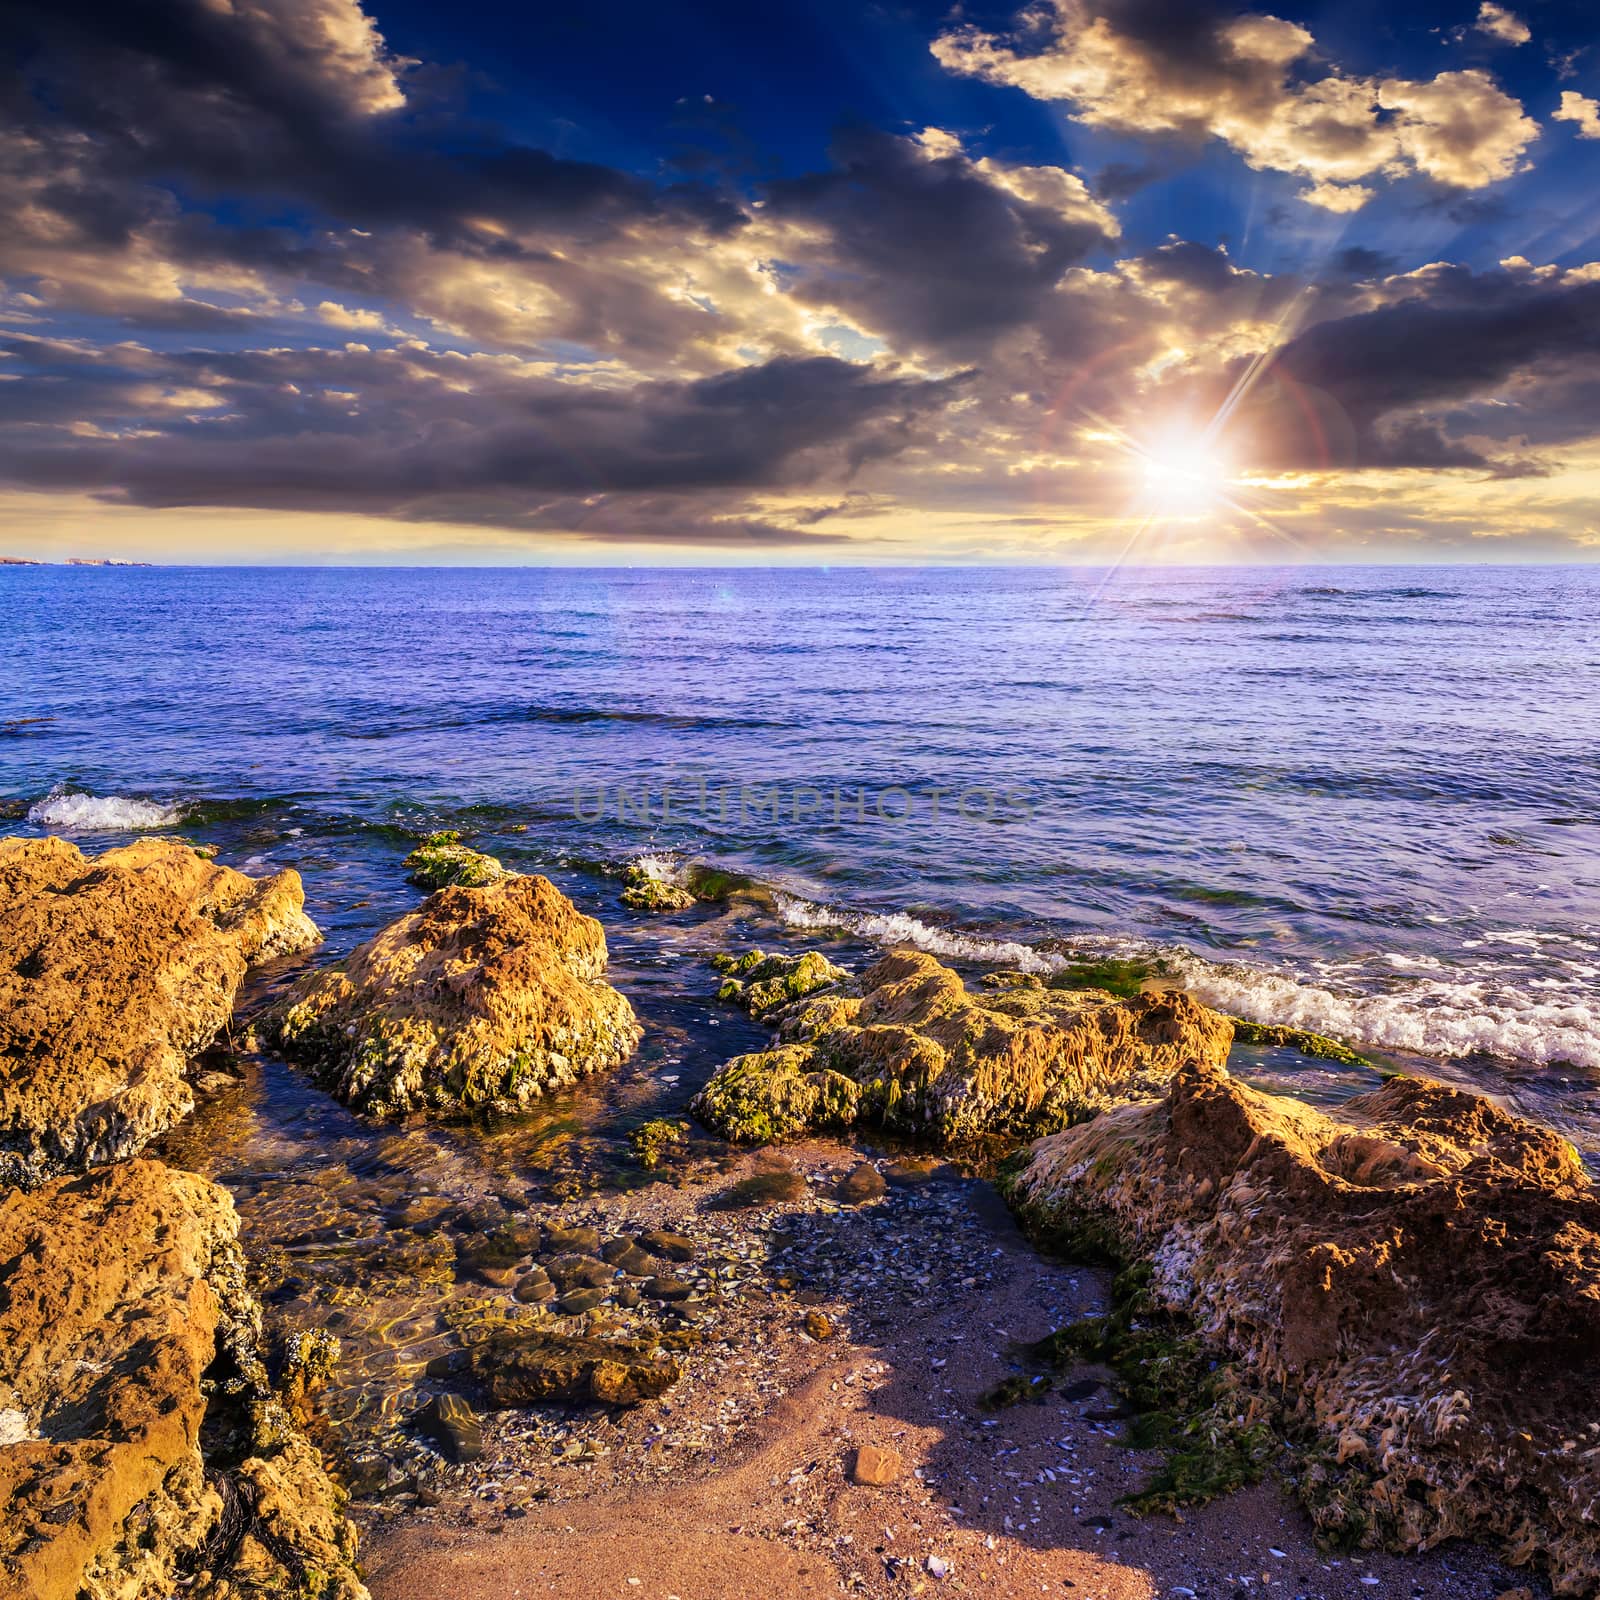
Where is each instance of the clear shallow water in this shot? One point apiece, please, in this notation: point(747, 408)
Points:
point(1361, 800)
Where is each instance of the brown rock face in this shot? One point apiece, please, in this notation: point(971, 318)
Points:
point(114, 971)
point(516, 1366)
point(119, 1291)
point(1417, 1278)
point(916, 1053)
point(481, 996)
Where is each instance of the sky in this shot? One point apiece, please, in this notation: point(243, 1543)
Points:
point(1087, 281)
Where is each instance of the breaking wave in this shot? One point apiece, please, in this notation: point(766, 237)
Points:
point(1450, 1015)
point(101, 813)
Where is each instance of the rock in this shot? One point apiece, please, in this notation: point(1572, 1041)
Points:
point(635, 1262)
point(580, 1272)
point(763, 984)
point(666, 1289)
point(452, 1424)
point(645, 891)
point(1414, 1279)
point(579, 1241)
point(669, 1246)
point(115, 971)
point(654, 1139)
point(820, 1327)
point(916, 1053)
point(488, 996)
point(518, 1366)
point(861, 1184)
point(876, 1466)
point(577, 1301)
point(442, 861)
point(533, 1288)
point(122, 1300)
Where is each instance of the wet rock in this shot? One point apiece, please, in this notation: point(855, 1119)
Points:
point(876, 1466)
point(122, 1296)
point(582, 1241)
point(520, 1367)
point(654, 1140)
point(578, 1301)
point(861, 1184)
point(635, 1262)
point(763, 984)
point(669, 1246)
point(1414, 1279)
point(534, 1288)
point(115, 971)
point(488, 996)
point(644, 891)
point(667, 1289)
point(441, 860)
point(580, 1272)
point(918, 1054)
point(628, 1297)
point(819, 1325)
point(452, 1424)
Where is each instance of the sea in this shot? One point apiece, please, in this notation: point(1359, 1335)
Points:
point(1360, 800)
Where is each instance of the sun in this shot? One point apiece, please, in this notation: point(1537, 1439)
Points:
point(1184, 477)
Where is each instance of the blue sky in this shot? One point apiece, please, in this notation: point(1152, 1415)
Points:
point(893, 282)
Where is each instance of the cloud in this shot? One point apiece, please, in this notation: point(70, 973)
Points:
point(417, 433)
point(1579, 109)
point(1501, 24)
point(918, 241)
point(1136, 66)
point(1397, 385)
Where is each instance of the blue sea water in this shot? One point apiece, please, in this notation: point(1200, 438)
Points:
point(1363, 800)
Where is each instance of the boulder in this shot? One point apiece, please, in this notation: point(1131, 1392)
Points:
point(764, 984)
point(488, 996)
point(115, 971)
point(915, 1053)
point(1412, 1282)
point(643, 890)
point(442, 860)
point(145, 1447)
point(515, 1364)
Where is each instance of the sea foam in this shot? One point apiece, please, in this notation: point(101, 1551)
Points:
point(97, 813)
point(1451, 1012)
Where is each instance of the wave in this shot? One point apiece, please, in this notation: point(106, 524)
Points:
point(1445, 1017)
point(77, 812)
point(1430, 1017)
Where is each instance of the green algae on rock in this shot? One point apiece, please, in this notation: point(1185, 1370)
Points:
point(115, 971)
point(153, 1454)
point(1301, 1039)
point(1412, 1283)
point(764, 984)
point(441, 860)
point(912, 1051)
point(481, 997)
point(652, 1140)
point(644, 891)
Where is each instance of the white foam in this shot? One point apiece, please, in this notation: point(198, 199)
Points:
point(1431, 1017)
point(659, 869)
point(96, 813)
point(898, 928)
point(1422, 1005)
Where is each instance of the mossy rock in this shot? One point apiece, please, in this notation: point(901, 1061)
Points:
point(763, 984)
point(653, 1140)
point(643, 891)
point(441, 860)
point(1301, 1039)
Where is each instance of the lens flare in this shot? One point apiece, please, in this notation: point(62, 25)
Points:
point(1184, 477)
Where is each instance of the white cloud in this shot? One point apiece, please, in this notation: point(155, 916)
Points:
point(1579, 108)
point(1501, 24)
point(1237, 81)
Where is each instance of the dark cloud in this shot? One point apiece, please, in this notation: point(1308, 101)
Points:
point(931, 248)
point(413, 432)
point(1121, 180)
point(1368, 390)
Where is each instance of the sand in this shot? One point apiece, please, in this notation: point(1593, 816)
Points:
point(1016, 1503)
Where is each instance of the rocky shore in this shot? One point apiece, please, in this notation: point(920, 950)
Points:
point(801, 1338)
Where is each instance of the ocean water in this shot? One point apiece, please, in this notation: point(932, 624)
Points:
point(1361, 800)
